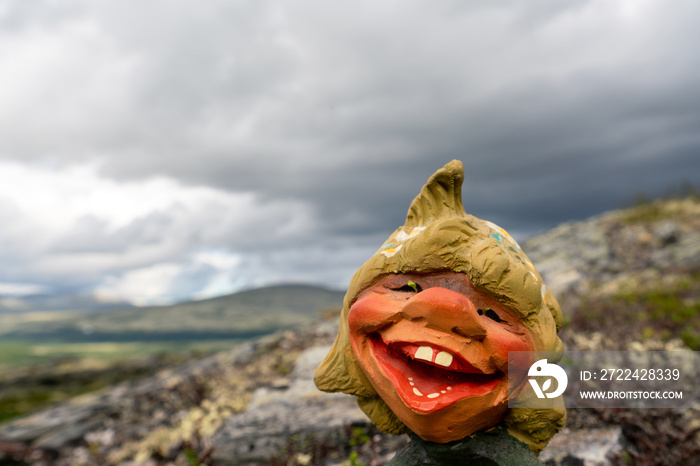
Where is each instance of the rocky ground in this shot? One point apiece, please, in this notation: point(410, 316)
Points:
point(626, 280)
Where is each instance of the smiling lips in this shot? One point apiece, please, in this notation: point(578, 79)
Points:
point(429, 378)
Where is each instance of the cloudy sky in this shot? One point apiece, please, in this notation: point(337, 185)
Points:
point(156, 151)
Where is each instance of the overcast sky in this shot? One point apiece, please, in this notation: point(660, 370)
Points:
point(156, 151)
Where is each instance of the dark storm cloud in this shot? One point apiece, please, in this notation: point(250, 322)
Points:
point(334, 114)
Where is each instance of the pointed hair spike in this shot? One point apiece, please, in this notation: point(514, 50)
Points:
point(441, 197)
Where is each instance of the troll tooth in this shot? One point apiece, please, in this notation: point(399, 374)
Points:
point(425, 353)
point(415, 390)
point(444, 359)
point(433, 395)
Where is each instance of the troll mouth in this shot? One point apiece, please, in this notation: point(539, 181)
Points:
point(428, 377)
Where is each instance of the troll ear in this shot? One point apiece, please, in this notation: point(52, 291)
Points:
point(441, 197)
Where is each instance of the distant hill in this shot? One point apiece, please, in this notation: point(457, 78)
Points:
point(241, 315)
point(56, 302)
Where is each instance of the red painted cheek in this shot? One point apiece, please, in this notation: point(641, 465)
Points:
point(504, 341)
point(371, 313)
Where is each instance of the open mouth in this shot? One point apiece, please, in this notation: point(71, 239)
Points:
point(429, 378)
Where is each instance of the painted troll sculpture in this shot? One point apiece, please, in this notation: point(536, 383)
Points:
point(429, 319)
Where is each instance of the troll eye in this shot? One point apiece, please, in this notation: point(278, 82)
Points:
point(490, 313)
point(409, 287)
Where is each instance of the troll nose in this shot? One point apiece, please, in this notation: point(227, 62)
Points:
point(446, 310)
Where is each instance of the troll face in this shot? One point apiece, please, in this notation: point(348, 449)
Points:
point(429, 320)
point(436, 351)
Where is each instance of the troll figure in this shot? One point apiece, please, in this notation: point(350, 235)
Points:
point(429, 320)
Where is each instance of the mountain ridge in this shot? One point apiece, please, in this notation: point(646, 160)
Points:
point(252, 312)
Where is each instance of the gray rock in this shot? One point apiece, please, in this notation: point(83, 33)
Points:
point(590, 447)
point(491, 448)
point(300, 412)
point(62, 423)
point(564, 255)
point(667, 231)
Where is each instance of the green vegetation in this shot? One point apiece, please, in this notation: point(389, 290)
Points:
point(646, 313)
point(646, 211)
point(359, 436)
point(665, 313)
point(353, 460)
point(191, 458)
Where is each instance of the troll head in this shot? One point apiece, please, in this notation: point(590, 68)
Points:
point(429, 320)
